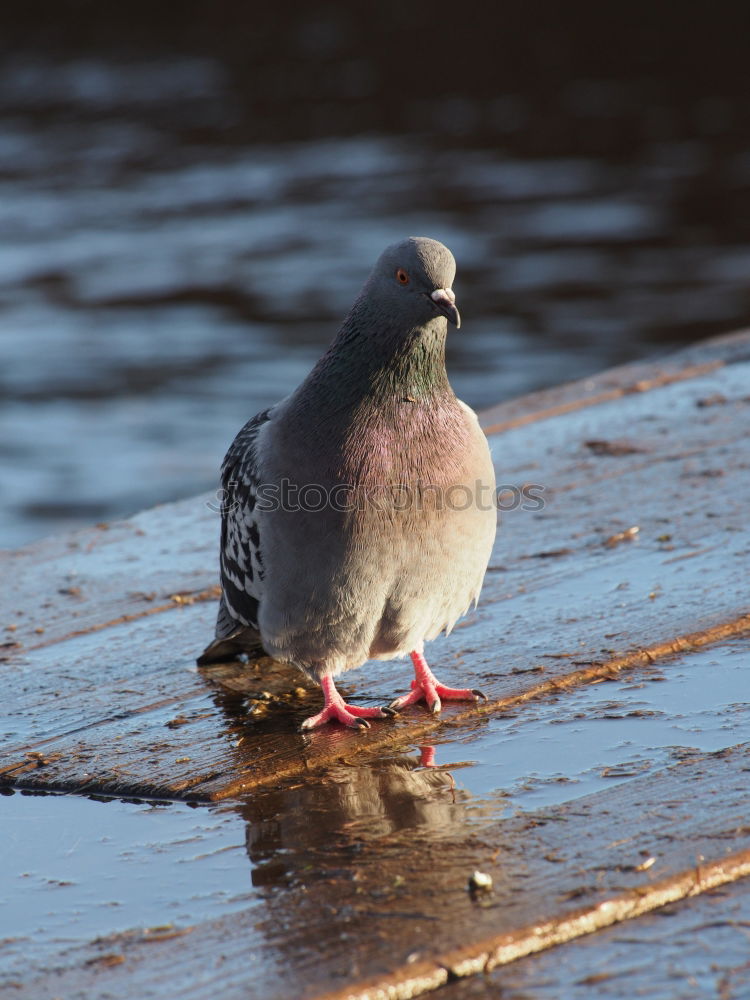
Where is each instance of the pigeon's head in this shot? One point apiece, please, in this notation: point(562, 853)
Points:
point(413, 279)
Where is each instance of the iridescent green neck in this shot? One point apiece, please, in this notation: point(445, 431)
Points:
point(375, 361)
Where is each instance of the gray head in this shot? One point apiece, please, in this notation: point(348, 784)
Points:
point(412, 279)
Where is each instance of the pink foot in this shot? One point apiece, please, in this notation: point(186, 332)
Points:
point(426, 687)
point(335, 709)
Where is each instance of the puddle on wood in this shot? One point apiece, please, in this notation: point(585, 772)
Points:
point(77, 869)
point(555, 749)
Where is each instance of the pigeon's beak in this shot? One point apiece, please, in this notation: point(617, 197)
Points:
point(445, 300)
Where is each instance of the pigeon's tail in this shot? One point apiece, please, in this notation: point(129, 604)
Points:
point(245, 640)
point(232, 639)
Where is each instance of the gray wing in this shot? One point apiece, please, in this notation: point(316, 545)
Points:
point(240, 559)
point(240, 556)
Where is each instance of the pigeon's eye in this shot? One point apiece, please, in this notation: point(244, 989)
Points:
point(402, 277)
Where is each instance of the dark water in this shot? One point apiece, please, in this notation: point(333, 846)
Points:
point(187, 211)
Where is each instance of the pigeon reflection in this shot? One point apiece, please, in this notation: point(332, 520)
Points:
point(312, 828)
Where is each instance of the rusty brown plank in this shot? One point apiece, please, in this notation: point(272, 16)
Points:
point(571, 596)
point(363, 913)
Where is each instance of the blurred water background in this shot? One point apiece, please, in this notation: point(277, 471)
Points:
point(192, 194)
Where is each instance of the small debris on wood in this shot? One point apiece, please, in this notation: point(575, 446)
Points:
point(578, 893)
point(622, 536)
point(702, 474)
point(480, 883)
point(628, 769)
point(164, 932)
point(140, 595)
point(107, 961)
point(717, 399)
point(181, 720)
point(550, 554)
point(614, 448)
point(594, 979)
point(195, 596)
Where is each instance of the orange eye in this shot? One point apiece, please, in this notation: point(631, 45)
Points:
point(402, 277)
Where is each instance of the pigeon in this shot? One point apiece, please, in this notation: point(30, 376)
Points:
point(358, 514)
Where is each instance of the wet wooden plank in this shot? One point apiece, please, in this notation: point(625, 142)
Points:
point(353, 911)
point(696, 949)
point(614, 383)
point(129, 859)
point(89, 578)
point(111, 573)
point(572, 595)
point(173, 736)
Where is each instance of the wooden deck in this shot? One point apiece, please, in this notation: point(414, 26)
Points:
point(640, 556)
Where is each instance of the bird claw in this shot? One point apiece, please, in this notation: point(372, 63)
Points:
point(404, 700)
point(434, 695)
point(353, 716)
point(426, 693)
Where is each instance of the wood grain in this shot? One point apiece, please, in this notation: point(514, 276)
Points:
point(695, 949)
point(357, 913)
point(638, 555)
point(573, 594)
